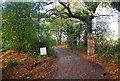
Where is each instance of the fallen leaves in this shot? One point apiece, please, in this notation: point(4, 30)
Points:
point(111, 69)
point(29, 67)
point(32, 68)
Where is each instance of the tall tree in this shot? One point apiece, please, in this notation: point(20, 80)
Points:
point(22, 25)
point(84, 13)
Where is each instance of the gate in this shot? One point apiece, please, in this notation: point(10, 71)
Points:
point(90, 44)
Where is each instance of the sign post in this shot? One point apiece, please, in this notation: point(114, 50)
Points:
point(43, 51)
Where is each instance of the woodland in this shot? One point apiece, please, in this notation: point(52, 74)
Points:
point(28, 26)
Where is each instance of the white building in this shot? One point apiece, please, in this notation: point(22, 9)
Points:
point(111, 21)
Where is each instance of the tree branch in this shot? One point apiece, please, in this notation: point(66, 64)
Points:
point(47, 3)
point(103, 15)
point(67, 7)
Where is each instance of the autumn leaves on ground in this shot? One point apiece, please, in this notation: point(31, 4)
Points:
point(64, 64)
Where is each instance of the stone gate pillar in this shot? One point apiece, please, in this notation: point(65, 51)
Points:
point(90, 44)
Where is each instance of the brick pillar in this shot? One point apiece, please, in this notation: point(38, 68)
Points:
point(90, 44)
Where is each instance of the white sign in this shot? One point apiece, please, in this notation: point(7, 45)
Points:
point(43, 51)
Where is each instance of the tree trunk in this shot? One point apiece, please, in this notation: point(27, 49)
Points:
point(87, 31)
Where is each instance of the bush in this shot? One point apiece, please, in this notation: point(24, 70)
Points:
point(50, 51)
point(109, 50)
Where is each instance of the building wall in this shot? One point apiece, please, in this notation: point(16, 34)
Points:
point(111, 21)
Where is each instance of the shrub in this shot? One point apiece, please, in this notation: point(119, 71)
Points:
point(109, 50)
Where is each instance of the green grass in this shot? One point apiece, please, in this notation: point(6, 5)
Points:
point(38, 56)
point(45, 57)
point(73, 47)
point(77, 48)
point(30, 54)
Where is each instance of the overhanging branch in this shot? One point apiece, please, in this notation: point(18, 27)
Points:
point(103, 15)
